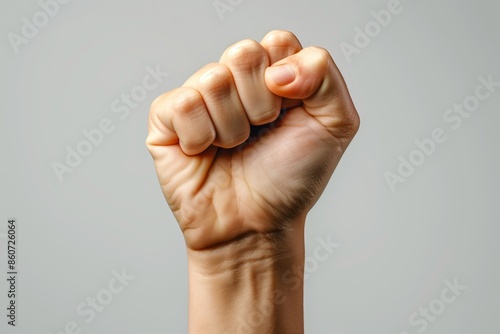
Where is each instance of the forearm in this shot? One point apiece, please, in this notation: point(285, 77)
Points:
point(253, 285)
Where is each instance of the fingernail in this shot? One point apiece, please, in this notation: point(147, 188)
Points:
point(282, 74)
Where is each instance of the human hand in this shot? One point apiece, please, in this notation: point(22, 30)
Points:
point(221, 184)
point(242, 150)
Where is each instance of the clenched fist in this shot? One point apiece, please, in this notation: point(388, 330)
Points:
point(242, 150)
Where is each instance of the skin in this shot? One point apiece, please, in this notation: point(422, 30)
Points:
point(241, 157)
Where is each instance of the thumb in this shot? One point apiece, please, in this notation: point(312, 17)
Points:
point(312, 76)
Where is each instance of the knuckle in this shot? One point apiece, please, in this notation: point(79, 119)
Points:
point(185, 100)
point(280, 38)
point(242, 47)
point(155, 104)
point(155, 110)
point(247, 54)
point(350, 124)
point(354, 123)
point(321, 54)
point(217, 76)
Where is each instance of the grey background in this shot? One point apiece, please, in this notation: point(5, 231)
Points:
point(396, 247)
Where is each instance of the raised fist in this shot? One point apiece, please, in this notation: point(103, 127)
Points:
point(243, 150)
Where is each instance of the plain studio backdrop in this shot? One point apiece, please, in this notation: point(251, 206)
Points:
point(409, 222)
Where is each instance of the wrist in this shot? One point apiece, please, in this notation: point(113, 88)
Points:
point(251, 285)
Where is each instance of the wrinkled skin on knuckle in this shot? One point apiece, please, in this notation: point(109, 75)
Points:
point(216, 80)
point(247, 56)
point(185, 100)
point(280, 37)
